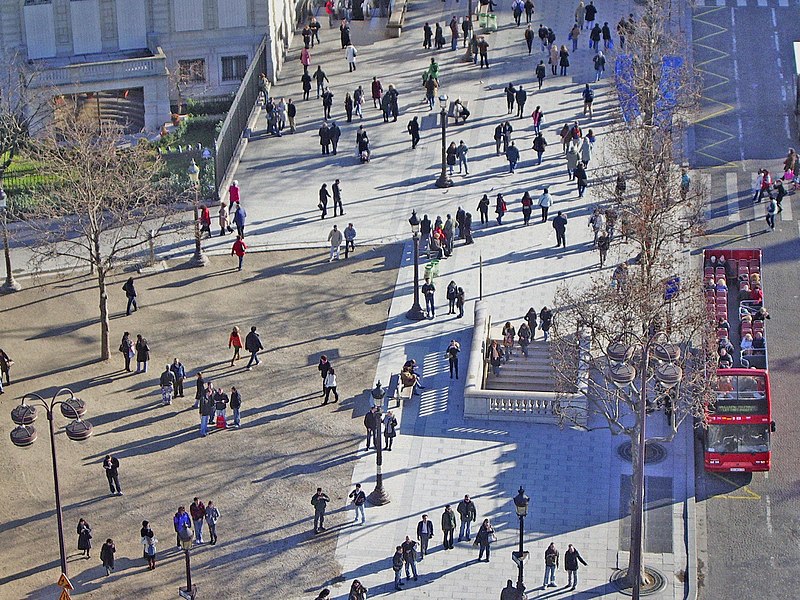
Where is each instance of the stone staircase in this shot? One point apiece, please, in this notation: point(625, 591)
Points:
point(532, 374)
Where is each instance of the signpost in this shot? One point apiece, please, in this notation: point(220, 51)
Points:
point(65, 585)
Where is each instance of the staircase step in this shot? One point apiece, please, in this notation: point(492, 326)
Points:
point(520, 387)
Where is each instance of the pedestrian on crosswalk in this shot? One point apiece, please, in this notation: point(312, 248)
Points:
point(772, 209)
point(780, 193)
point(763, 184)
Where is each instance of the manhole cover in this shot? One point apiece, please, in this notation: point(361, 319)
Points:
point(654, 452)
point(653, 582)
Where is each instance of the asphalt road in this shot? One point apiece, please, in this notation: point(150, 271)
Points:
point(751, 527)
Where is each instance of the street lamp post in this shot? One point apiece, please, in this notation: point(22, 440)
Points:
point(378, 496)
point(521, 504)
point(199, 259)
point(444, 181)
point(185, 536)
point(25, 434)
point(623, 374)
point(415, 313)
point(11, 284)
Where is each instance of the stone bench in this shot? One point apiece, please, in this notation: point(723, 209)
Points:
point(451, 114)
point(394, 26)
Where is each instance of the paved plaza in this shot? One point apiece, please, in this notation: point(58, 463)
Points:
point(577, 481)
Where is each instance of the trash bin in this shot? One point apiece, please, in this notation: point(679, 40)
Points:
point(491, 22)
point(432, 269)
point(482, 19)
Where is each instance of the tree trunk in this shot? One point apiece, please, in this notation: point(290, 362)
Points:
point(105, 345)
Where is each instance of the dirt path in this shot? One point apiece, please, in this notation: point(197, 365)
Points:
point(261, 477)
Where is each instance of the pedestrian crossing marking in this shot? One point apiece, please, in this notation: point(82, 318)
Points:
point(732, 197)
point(743, 3)
point(786, 205)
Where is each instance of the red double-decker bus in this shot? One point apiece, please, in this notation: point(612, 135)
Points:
point(739, 420)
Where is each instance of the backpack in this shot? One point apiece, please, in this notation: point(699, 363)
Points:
point(589, 95)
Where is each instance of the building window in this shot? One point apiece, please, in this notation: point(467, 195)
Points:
point(192, 71)
point(233, 68)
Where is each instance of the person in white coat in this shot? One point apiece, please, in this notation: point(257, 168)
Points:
point(351, 54)
point(586, 152)
point(330, 386)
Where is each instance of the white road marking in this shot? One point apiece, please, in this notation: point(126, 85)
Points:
point(762, 2)
point(720, 2)
point(741, 2)
point(747, 229)
point(731, 198)
point(786, 125)
point(786, 213)
point(783, 98)
point(775, 39)
point(774, 18)
point(783, 2)
point(768, 506)
point(741, 131)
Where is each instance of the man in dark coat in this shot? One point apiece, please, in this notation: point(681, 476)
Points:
point(413, 129)
point(327, 103)
point(335, 134)
point(560, 225)
point(252, 343)
point(321, 79)
point(111, 466)
point(325, 138)
point(130, 293)
point(371, 420)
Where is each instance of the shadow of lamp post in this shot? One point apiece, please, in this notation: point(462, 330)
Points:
point(415, 313)
point(520, 556)
point(11, 284)
point(199, 259)
point(24, 435)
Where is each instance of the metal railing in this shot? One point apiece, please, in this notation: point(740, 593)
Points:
point(239, 114)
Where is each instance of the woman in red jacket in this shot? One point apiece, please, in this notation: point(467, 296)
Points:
point(235, 342)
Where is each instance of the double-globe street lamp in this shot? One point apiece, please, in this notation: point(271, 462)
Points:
point(624, 359)
point(199, 259)
point(521, 504)
point(185, 536)
point(11, 284)
point(444, 181)
point(25, 434)
point(415, 313)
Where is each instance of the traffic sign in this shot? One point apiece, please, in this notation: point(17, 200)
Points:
point(63, 582)
point(671, 288)
point(520, 558)
point(65, 595)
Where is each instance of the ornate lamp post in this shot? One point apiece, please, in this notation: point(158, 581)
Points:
point(11, 284)
point(199, 259)
point(415, 313)
point(444, 181)
point(25, 434)
point(378, 496)
point(521, 504)
point(185, 535)
point(623, 374)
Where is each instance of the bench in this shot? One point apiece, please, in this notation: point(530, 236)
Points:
point(404, 392)
point(394, 25)
point(451, 110)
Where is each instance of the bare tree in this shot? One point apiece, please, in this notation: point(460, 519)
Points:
point(107, 199)
point(648, 342)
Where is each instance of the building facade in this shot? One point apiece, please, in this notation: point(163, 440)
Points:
point(128, 60)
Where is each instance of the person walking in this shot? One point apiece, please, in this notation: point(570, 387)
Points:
point(580, 14)
point(550, 566)
point(483, 51)
point(580, 178)
point(107, 551)
point(224, 224)
point(235, 342)
point(563, 60)
point(111, 467)
point(239, 219)
point(596, 223)
point(198, 512)
point(410, 557)
point(320, 502)
point(452, 290)
point(348, 107)
point(350, 53)
point(554, 59)
point(529, 36)
point(560, 225)
point(305, 81)
point(291, 112)
point(484, 539)
point(252, 343)
point(397, 567)
point(524, 338)
point(424, 534)
point(469, 514)
point(335, 239)
point(179, 372)
point(372, 421)
point(545, 202)
point(125, 347)
point(377, 92)
point(500, 208)
point(595, 34)
point(448, 527)
point(167, 385)
point(512, 155)
point(330, 386)
point(337, 197)
point(428, 290)
point(359, 500)
point(588, 98)
point(607, 41)
point(511, 93)
point(527, 208)
point(572, 162)
point(461, 153)
point(599, 61)
point(349, 239)
point(571, 558)
point(546, 321)
point(238, 249)
point(521, 97)
point(537, 116)
point(236, 407)
point(211, 517)
point(327, 103)
point(389, 430)
point(460, 293)
point(130, 293)
point(84, 538)
point(413, 130)
point(451, 354)
point(483, 209)
point(205, 220)
point(590, 14)
point(772, 210)
point(539, 145)
point(335, 134)
point(180, 521)
point(531, 319)
point(574, 34)
point(142, 354)
point(149, 542)
point(325, 139)
point(323, 367)
point(324, 195)
point(541, 72)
